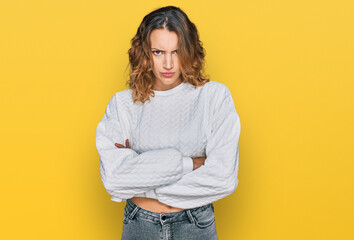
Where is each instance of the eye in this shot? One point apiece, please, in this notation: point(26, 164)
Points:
point(176, 51)
point(156, 52)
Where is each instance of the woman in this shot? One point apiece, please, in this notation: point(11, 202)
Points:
point(168, 145)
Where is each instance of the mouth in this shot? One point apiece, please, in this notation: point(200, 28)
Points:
point(168, 74)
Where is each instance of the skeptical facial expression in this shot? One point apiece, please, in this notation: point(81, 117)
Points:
point(164, 47)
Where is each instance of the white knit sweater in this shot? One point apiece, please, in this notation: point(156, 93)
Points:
point(164, 134)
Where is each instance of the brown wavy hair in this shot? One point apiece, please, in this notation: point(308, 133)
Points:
point(190, 51)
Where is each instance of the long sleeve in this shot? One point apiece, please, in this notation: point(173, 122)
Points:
point(124, 172)
point(218, 177)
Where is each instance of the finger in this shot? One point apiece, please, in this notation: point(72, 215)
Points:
point(119, 145)
point(127, 143)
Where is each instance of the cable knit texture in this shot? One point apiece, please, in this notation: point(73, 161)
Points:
point(165, 133)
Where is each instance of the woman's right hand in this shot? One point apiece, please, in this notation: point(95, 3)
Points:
point(198, 161)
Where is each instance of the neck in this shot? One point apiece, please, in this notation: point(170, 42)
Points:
point(159, 87)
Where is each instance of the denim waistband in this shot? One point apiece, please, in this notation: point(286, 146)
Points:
point(164, 218)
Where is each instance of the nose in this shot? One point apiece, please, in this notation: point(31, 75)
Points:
point(168, 61)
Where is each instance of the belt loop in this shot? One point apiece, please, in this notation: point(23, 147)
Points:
point(132, 214)
point(190, 216)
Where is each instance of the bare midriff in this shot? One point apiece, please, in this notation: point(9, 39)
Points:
point(154, 205)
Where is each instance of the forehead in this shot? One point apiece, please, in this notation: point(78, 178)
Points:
point(163, 39)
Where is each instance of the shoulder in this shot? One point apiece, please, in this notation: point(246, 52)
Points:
point(124, 97)
point(120, 101)
point(215, 87)
point(124, 101)
point(219, 99)
point(216, 90)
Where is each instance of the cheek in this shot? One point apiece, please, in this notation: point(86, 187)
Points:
point(156, 69)
point(178, 66)
point(154, 66)
point(157, 64)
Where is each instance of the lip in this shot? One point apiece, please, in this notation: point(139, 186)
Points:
point(168, 74)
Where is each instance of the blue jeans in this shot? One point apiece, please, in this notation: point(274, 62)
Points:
point(189, 224)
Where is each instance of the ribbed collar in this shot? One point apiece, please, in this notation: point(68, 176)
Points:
point(170, 91)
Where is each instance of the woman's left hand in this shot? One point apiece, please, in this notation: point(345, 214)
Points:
point(122, 146)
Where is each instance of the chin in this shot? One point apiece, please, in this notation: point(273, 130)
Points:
point(168, 81)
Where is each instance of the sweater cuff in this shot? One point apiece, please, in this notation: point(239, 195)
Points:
point(187, 165)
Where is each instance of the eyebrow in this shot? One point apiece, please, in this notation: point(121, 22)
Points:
point(162, 50)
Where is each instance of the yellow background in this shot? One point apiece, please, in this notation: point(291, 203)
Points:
point(289, 66)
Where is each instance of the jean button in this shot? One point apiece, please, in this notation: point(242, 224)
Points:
point(163, 217)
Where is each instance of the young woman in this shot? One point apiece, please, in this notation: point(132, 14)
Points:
point(168, 145)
